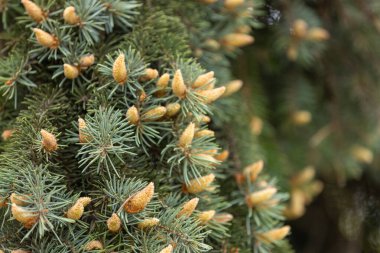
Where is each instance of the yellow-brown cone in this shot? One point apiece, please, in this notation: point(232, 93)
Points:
point(133, 115)
point(7, 134)
point(273, 235)
point(71, 72)
point(232, 87)
point(150, 74)
point(299, 29)
point(256, 125)
point(28, 219)
point(76, 211)
point(70, 16)
point(93, 245)
point(304, 176)
point(187, 136)
point(161, 85)
point(85, 201)
point(119, 70)
point(140, 200)
point(223, 217)
point(318, 34)
point(203, 133)
point(178, 85)
point(362, 154)
point(49, 142)
point(87, 60)
point(198, 185)
point(172, 109)
point(154, 114)
point(301, 117)
point(18, 251)
point(205, 216)
point(148, 223)
point(46, 39)
point(168, 249)
point(237, 40)
point(83, 138)
point(114, 223)
point(252, 171)
point(209, 96)
point(203, 80)
point(33, 10)
point(222, 156)
point(256, 198)
point(188, 208)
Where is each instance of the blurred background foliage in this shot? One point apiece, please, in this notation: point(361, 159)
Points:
point(312, 88)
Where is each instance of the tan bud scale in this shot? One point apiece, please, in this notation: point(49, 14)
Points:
point(252, 171)
point(49, 142)
point(119, 70)
point(133, 115)
point(178, 85)
point(46, 39)
point(70, 16)
point(33, 10)
point(203, 79)
point(206, 216)
point(148, 223)
point(154, 114)
point(201, 184)
point(187, 136)
point(256, 198)
point(93, 245)
point(172, 109)
point(168, 249)
point(209, 96)
point(188, 208)
point(114, 223)
point(273, 235)
point(71, 72)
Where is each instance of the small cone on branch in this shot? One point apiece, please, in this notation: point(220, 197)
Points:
point(148, 223)
point(222, 156)
point(304, 176)
point(172, 109)
point(209, 96)
point(83, 137)
point(114, 223)
point(93, 245)
point(187, 136)
point(292, 52)
point(232, 87)
point(198, 185)
point(7, 134)
point(301, 117)
point(296, 206)
point(299, 29)
point(261, 196)
point(362, 154)
point(71, 72)
point(76, 211)
point(87, 60)
point(206, 216)
point(85, 201)
point(33, 10)
point(273, 235)
point(133, 115)
point(150, 74)
point(137, 202)
point(318, 34)
point(203, 80)
point(49, 142)
point(46, 39)
point(237, 40)
point(203, 133)
point(154, 114)
point(178, 85)
point(168, 249)
point(20, 200)
point(161, 85)
point(119, 70)
point(223, 217)
point(28, 219)
point(188, 208)
point(70, 16)
point(256, 125)
point(233, 4)
point(252, 171)
point(205, 119)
